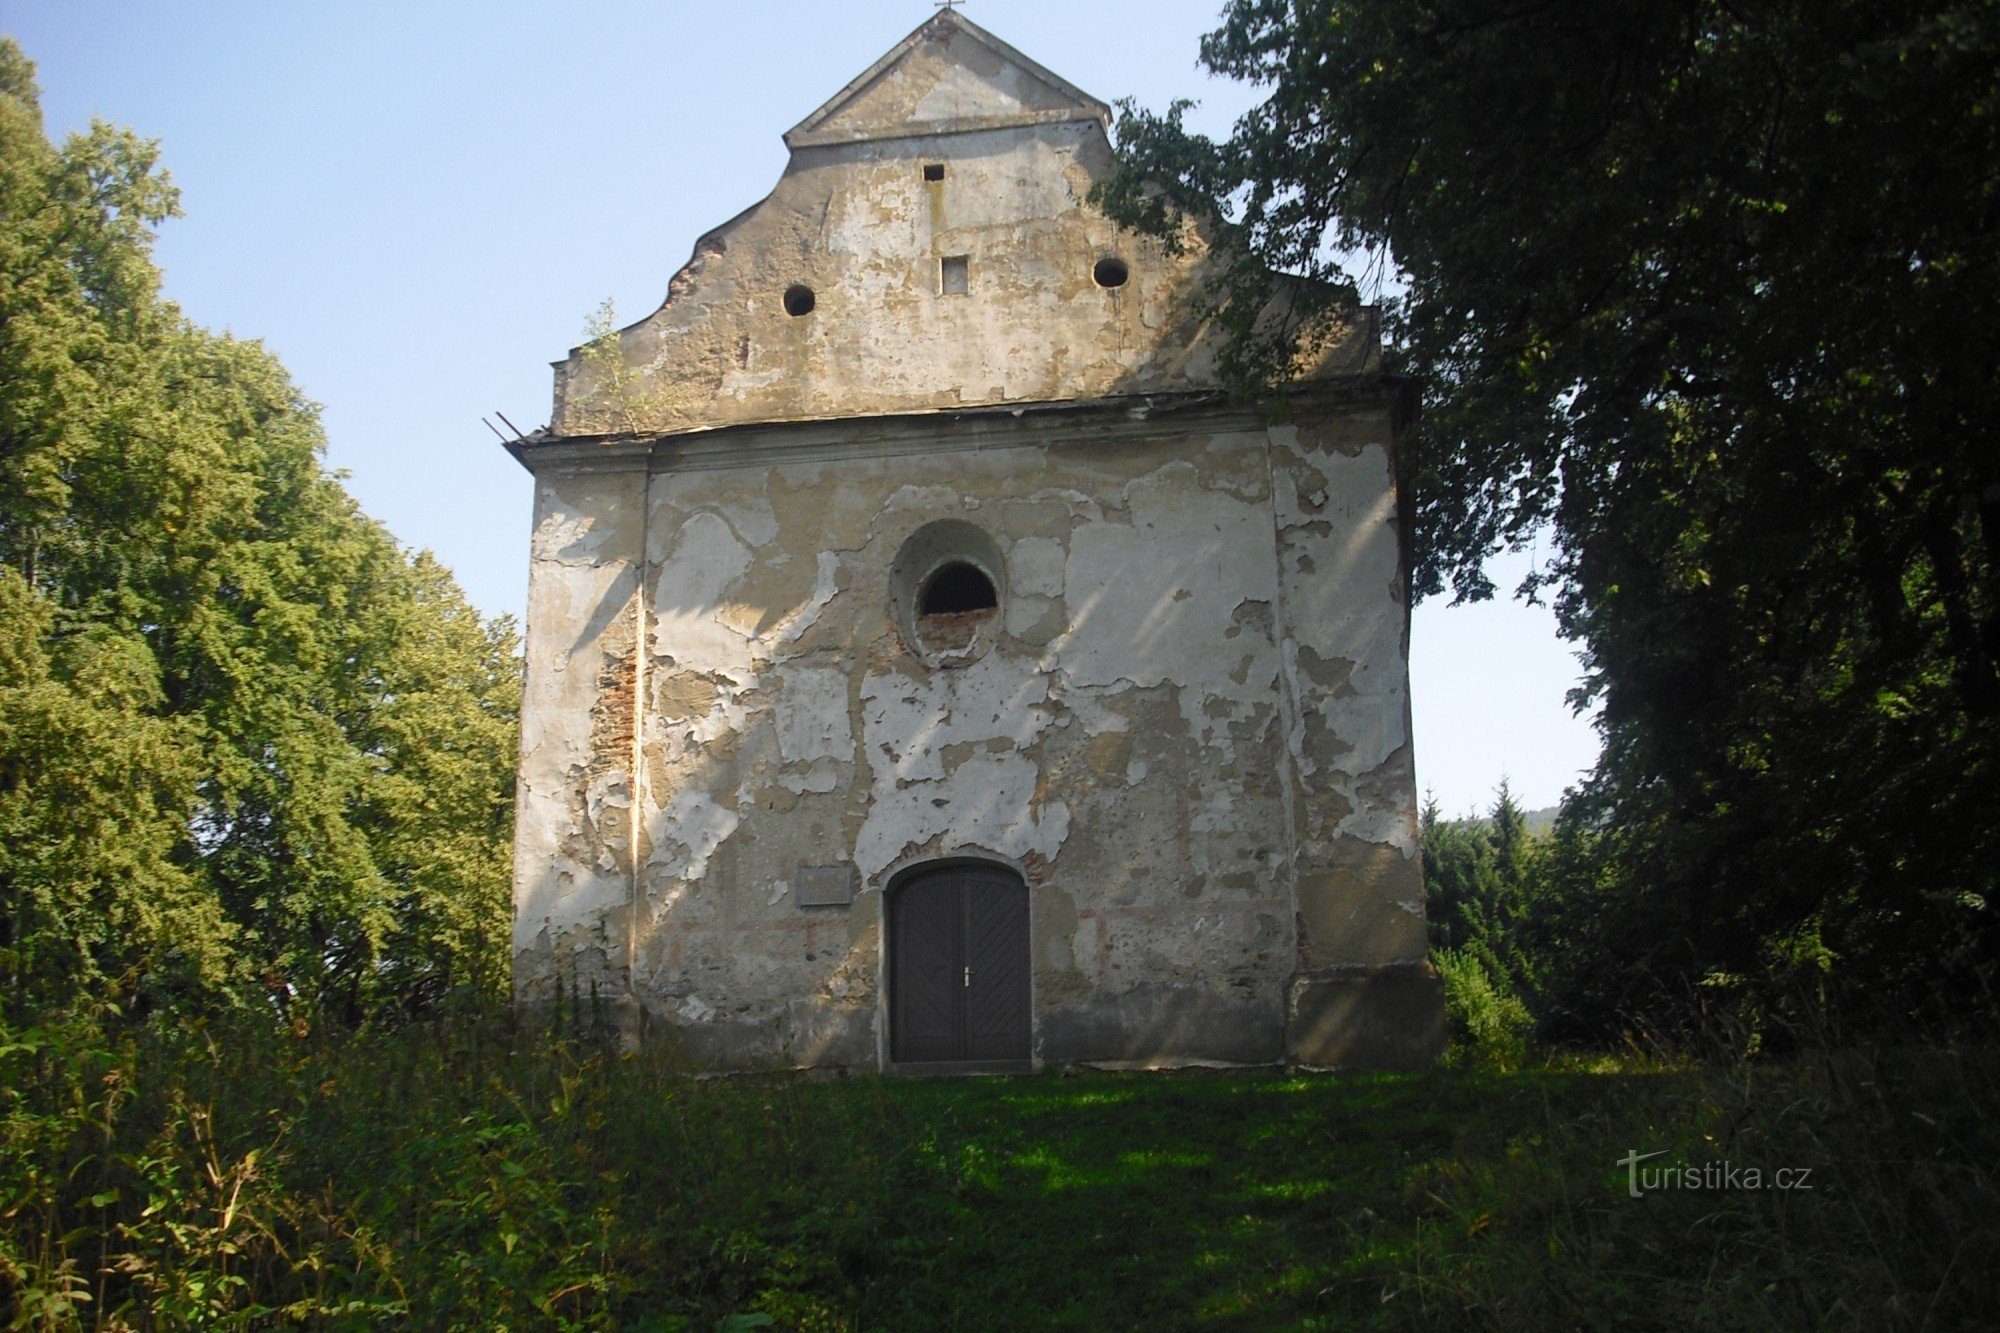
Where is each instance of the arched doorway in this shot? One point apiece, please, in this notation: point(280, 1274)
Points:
point(958, 966)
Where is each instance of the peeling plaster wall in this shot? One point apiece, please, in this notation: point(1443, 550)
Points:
point(1360, 883)
point(1186, 727)
point(859, 224)
point(573, 834)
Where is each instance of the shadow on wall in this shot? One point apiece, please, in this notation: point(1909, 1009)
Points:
point(731, 761)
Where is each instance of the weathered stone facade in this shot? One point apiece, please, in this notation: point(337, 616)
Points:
point(1181, 716)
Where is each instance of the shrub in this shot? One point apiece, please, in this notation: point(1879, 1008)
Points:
point(1488, 1021)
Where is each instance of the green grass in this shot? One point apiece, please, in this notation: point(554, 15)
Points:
point(475, 1177)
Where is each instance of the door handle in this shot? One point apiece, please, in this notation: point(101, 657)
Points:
point(968, 977)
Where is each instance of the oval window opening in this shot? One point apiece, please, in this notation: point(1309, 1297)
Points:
point(1110, 272)
point(946, 585)
point(956, 589)
point(798, 300)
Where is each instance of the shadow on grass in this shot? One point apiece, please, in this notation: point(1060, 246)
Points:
point(1450, 1199)
point(482, 1176)
point(1196, 1200)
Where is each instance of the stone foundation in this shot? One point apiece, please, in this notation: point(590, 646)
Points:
point(1366, 1018)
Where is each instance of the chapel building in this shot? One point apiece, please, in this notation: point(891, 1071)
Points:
point(930, 667)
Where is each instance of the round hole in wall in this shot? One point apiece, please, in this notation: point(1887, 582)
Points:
point(798, 300)
point(946, 587)
point(1110, 272)
point(954, 589)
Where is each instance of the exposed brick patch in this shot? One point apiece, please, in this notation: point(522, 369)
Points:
point(614, 715)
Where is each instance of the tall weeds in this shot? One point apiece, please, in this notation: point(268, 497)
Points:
point(462, 1173)
point(480, 1171)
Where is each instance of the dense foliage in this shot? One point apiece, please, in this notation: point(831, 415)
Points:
point(1696, 287)
point(471, 1176)
point(250, 751)
point(1486, 900)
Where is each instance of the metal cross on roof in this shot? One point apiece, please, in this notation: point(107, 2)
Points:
point(947, 4)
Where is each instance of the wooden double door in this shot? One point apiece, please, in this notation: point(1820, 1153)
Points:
point(958, 967)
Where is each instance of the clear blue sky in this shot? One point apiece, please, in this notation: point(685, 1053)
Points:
point(417, 205)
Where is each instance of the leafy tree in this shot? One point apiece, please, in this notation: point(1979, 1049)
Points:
point(1694, 286)
point(247, 745)
point(94, 785)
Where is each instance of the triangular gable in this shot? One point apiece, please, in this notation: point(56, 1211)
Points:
point(947, 77)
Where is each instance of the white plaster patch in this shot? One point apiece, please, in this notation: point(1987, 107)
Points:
point(1025, 612)
point(753, 520)
point(1092, 707)
point(729, 715)
point(690, 589)
point(988, 798)
point(1387, 824)
point(826, 583)
point(1035, 567)
point(1154, 602)
point(564, 895)
point(1370, 720)
point(821, 777)
point(987, 802)
point(1162, 601)
point(811, 713)
point(605, 798)
point(559, 687)
point(692, 821)
point(1080, 505)
point(568, 539)
point(740, 384)
point(925, 498)
point(906, 723)
point(610, 791)
point(1341, 592)
point(686, 738)
point(579, 517)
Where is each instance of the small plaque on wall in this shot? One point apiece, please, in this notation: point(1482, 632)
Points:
point(824, 886)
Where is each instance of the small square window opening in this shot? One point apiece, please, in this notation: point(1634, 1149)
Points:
point(933, 171)
point(952, 275)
